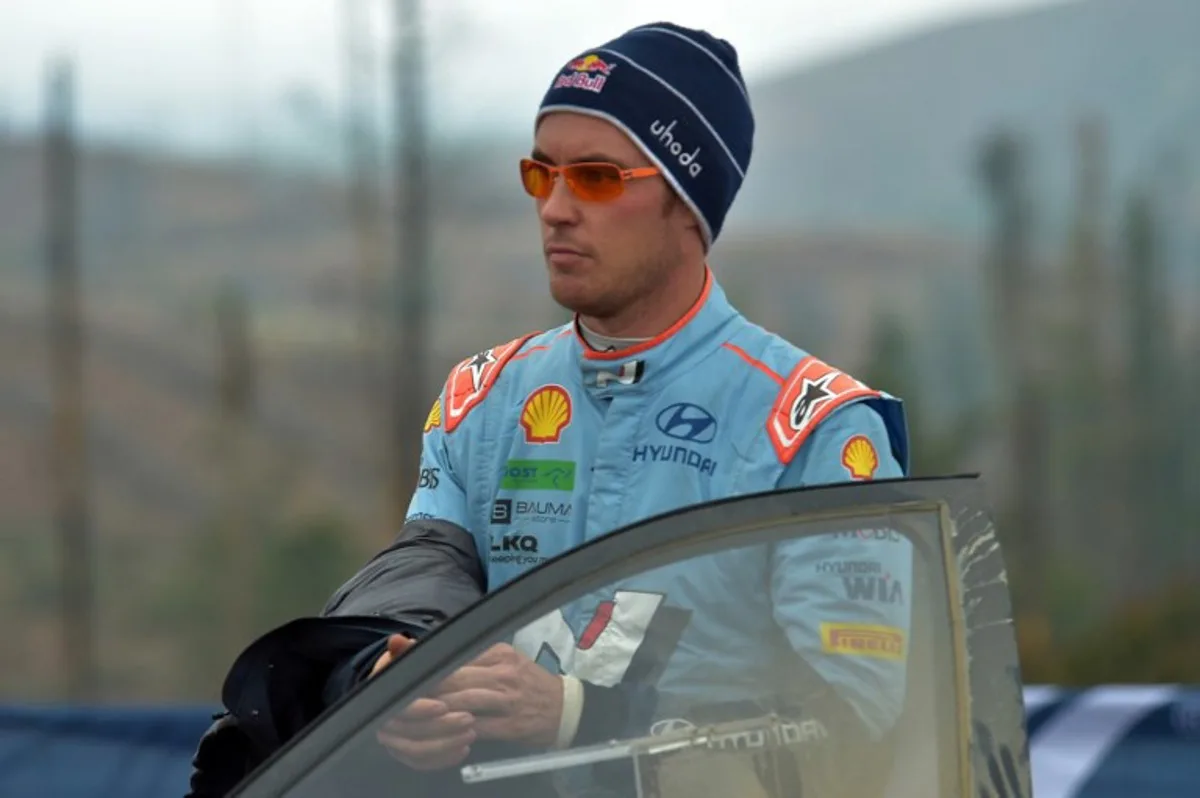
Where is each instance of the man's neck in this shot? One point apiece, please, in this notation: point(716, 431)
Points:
point(656, 314)
point(607, 343)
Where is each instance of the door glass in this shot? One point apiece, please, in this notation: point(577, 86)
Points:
point(807, 655)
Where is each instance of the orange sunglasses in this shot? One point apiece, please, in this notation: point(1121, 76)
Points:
point(592, 182)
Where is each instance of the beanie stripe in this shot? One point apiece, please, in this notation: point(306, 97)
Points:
point(741, 87)
point(716, 136)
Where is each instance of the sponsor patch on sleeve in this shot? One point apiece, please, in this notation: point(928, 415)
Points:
point(470, 381)
point(862, 640)
point(811, 392)
point(860, 458)
point(434, 419)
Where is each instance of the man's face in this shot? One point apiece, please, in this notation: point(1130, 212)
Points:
point(605, 257)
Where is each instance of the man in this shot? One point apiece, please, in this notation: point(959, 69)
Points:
point(657, 395)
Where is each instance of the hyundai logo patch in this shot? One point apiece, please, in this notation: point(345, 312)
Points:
point(687, 422)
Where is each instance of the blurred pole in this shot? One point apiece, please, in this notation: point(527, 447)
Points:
point(407, 364)
point(68, 454)
point(1012, 282)
point(364, 205)
point(1150, 464)
point(1085, 412)
point(236, 527)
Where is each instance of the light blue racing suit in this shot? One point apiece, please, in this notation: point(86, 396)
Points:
point(541, 444)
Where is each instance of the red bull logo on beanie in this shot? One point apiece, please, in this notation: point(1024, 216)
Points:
point(665, 135)
point(589, 73)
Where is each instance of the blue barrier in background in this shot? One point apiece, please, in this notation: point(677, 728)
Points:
point(1103, 742)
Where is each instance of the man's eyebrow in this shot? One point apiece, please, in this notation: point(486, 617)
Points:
point(591, 157)
point(599, 157)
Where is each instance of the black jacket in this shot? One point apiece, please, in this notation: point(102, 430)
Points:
point(288, 677)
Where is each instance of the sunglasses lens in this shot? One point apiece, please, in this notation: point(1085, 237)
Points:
point(536, 179)
point(595, 182)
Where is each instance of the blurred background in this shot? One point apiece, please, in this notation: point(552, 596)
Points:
point(243, 241)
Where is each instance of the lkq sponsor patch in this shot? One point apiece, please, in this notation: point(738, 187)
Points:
point(516, 550)
point(664, 133)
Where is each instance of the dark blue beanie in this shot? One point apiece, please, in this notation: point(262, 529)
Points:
point(679, 95)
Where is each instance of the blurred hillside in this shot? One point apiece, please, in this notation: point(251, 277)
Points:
point(888, 136)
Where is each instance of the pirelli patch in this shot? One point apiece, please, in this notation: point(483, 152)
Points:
point(810, 393)
point(470, 381)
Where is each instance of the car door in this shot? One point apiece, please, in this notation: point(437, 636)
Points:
point(958, 729)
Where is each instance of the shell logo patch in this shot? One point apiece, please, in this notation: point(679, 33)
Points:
point(434, 419)
point(546, 414)
point(860, 458)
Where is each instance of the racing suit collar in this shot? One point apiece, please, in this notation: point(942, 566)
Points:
point(651, 363)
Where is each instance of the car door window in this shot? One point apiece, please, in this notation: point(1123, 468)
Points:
point(813, 642)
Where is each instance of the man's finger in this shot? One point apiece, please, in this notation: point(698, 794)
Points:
point(399, 644)
point(496, 653)
point(478, 700)
point(449, 725)
point(423, 709)
point(428, 754)
point(466, 678)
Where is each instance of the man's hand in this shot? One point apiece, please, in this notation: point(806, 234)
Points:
point(501, 695)
point(511, 697)
point(426, 735)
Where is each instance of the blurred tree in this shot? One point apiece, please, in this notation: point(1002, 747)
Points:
point(1151, 641)
point(300, 559)
point(1085, 453)
point(1153, 451)
point(303, 561)
point(1082, 373)
point(891, 366)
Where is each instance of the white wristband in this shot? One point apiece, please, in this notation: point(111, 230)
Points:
point(572, 710)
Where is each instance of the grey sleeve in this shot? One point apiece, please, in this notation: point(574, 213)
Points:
point(429, 574)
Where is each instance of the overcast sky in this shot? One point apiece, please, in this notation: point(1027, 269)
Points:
point(186, 72)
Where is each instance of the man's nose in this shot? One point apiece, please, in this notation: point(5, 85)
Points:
point(561, 207)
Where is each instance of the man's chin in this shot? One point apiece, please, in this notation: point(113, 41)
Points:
point(573, 295)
